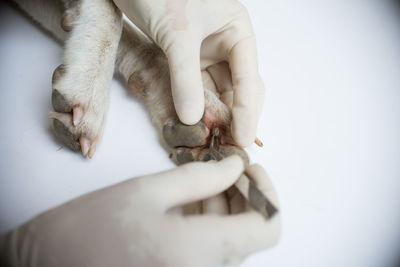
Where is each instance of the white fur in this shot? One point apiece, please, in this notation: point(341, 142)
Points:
point(89, 66)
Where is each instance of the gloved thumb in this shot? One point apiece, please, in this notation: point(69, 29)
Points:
point(187, 88)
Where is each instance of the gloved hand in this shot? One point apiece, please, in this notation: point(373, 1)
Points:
point(203, 35)
point(132, 224)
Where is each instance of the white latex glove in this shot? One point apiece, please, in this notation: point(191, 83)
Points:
point(129, 224)
point(197, 35)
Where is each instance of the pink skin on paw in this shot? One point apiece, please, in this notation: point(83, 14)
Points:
point(211, 121)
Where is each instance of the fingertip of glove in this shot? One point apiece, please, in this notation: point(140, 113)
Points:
point(188, 113)
point(242, 137)
point(234, 161)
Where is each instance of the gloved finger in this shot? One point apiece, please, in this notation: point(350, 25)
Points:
point(242, 233)
point(227, 99)
point(263, 182)
point(208, 82)
point(236, 201)
point(216, 205)
point(193, 181)
point(257, 233)
point(222, 77)
point(248, 88)
point(186, 85)
point(239, 234)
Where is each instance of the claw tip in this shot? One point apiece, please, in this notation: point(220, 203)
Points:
point(77, 114)
point(84, 146)
point(258, 142)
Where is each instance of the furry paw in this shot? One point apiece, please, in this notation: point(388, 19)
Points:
point(80, 104)
point(81, 83)
point(192, 142)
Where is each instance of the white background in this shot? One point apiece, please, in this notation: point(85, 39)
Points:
point(330, 127)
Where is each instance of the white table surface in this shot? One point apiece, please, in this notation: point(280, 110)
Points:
point(330, 127)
